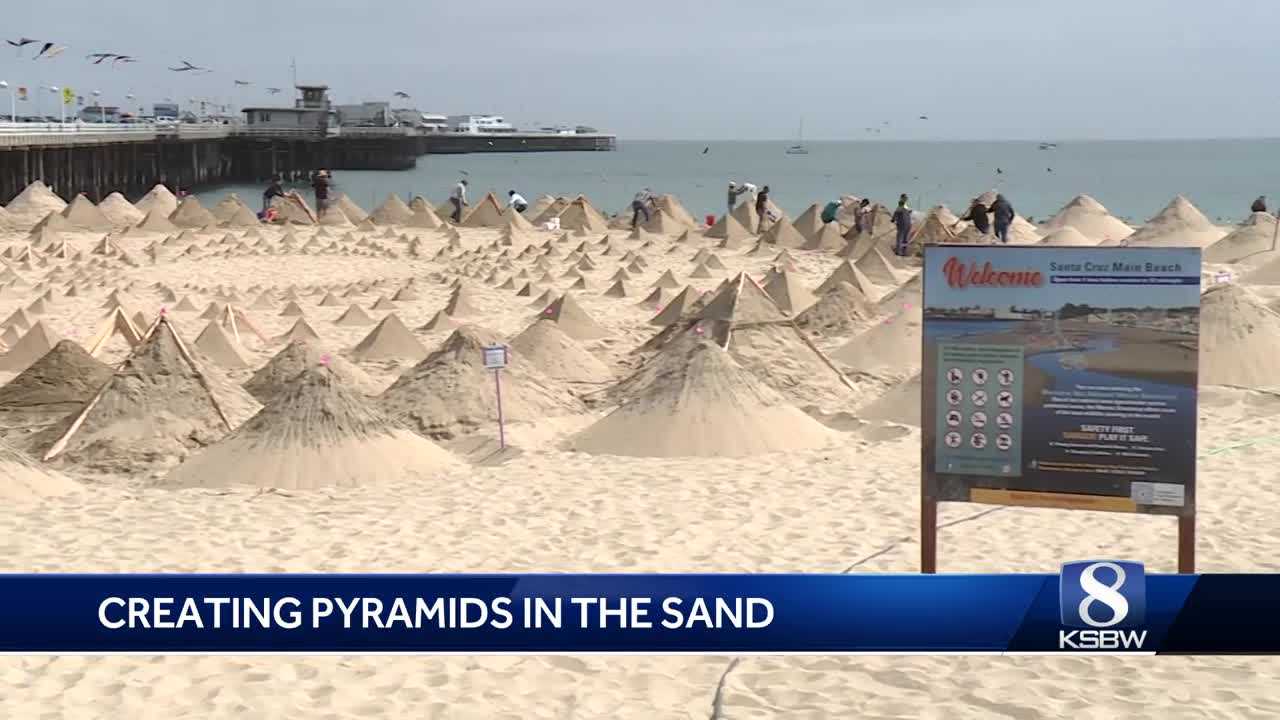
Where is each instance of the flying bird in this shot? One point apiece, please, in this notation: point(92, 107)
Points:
point(98, 58)
point(21, 43)
point(185, 67)
point(706, 150)
point(49, 50)
point(402, 94)
point(274, 91)
point(924, 117)
point(242, 83)
point(122, 59)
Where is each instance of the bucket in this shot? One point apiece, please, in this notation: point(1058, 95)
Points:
point(711, 219)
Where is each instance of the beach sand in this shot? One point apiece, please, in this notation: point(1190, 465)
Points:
point(849, 506)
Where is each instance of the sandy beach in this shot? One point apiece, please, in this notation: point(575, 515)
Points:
point(836, 491)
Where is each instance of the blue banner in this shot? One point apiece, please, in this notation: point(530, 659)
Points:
point(1093, 606)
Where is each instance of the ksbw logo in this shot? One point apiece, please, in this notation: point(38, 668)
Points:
point(1105, 600)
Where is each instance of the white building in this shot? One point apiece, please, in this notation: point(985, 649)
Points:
point(479, 124)
point(366, 113)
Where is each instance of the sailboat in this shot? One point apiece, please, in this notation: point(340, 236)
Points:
point(799, 148)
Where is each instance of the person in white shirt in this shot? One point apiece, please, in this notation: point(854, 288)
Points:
point(517, 201)
point(459, 199)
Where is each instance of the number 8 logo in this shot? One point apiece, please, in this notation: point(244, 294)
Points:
point(1095, 591)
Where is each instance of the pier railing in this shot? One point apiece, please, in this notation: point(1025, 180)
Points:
point(72, 133)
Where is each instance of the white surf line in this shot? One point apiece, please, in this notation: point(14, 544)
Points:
point(717, 701)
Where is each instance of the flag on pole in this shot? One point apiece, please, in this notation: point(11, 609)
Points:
point(22, 93)
point(68, 96)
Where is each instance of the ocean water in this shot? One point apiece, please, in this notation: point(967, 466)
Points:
point(1133, 179)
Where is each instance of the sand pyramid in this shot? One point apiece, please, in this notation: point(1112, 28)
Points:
point(679, 308)
point(158, 200)
point(317, 432)
point(731, 232)
point(486, 213)
point(847, 272)
point(34, 202)
point(158, 406)
point(891, 348)
point(572, 319)
point(293, 209)
point(55, 384)
point(551, 212)
point(219, 347)
point(788, 293)
point(698, 401)
point(841, 310)
point(332, 216)
point(1090, 219)
point(191, 214)
point(354, 212)
point(153, 221)
point(663, 223)
point(545, 346)
point(515, 221)
point(117, 322)
point(901, 404)
point(877, 268)
point(460, 302)
point(390, 340)
point(741, 317)
point(32, 346)
point(392, 211)
point(451, 393)
point(933, 231)
point(424, 218)
point(1179, 224)
point(810, 222)
point(825, 239)
point(86, 216)
point(54, 221)
point(671, 205)
point(1239, 339)
point(226, 208)
point(439, 321)
point(1067, 236)
point(23, 480)
point(243, 217)
point(300, 330)
point(784, 235)
point(746, 215)
point(120, 211)
point(354, 316)
point(581, 215)
point(297, 356)
point(1252, 243)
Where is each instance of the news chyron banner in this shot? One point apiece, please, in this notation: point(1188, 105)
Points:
point(1061, 376)
point(1092, 606)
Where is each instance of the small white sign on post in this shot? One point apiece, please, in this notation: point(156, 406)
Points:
point(495, 358)
point(1222, 277)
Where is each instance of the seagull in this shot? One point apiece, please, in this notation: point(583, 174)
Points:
point(924, 117)
point(21, 43)
point(242, 82)
point(402, 94)
point(706, 150)
point(49, 50)
point(122, 59)
point(274, 91)
point(186, 66)
point(97, 58)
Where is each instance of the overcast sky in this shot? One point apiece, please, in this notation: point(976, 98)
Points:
point(708, 69)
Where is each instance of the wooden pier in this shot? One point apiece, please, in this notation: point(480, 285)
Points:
point(98, 159)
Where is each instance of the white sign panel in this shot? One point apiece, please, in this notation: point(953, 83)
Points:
point(495, 357)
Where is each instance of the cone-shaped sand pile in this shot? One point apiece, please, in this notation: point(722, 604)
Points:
point(56, 384)
point(700, 403)
point(451, 393)
point(1239, 339)
point(158, 406)
point(545, 346)
point(317, 432)
point(23, 480)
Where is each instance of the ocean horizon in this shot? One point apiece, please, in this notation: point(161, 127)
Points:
point(1135, 179)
